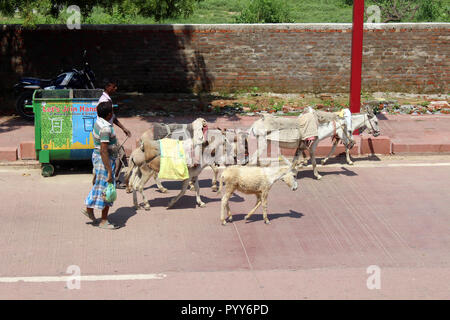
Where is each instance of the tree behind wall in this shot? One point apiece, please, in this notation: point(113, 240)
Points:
point(411, 10)
point(265, 11)
point(158, 9)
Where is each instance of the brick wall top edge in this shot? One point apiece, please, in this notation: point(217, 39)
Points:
point(239, 27)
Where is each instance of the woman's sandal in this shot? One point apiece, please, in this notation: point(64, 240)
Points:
point(90, 215)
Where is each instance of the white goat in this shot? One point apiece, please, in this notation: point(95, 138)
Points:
point(254, 180)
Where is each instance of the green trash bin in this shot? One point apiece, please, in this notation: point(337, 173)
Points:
point(63, 122)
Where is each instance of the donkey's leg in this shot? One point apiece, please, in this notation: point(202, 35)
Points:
point(147, 173)
point(159, 184)
point(264, 205)
point(305, 158)
point(312, 152)
point(333, 148)
point(215, 170)
point(258, 203)
point(347, 156)
point(182, 192)
point(200, 203)
point(133, 182)
point(224, 205)
point(229, 216)
point(135, 202)
point(297, 155)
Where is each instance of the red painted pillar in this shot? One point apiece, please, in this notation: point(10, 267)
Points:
point(357, 47)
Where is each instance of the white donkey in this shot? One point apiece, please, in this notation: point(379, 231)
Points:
point(326, 130)
point(359, 121)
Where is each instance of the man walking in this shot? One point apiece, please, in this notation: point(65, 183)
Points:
point(110, 89)
point(104, 161)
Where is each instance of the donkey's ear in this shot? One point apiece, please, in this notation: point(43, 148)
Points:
point(369, 109)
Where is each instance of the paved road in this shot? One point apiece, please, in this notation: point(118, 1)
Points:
point(392, 214)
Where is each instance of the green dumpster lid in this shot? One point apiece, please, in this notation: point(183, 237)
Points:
point(93, 94)
point(87, 93)
point(52, 94)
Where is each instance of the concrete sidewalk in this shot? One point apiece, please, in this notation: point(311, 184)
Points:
point(400, 134)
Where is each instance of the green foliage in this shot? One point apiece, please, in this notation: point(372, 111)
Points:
point(203, 11)
point(265, 11)
point(434, 11)
point(413, 10)
point(114, 11)
point(254, 90)
point(278, 106)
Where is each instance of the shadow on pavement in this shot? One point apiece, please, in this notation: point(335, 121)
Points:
point(176, 185)
point(14, 124)
point(308, 173)
point(121, 215)
point(72, 167)
point(340, 159)
point(257, 216)
point(185, 202)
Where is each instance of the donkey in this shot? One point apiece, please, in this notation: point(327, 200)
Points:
point(367, 119)
point(360, 121)
point(327, 129)
point(145, 164)
point(140, 171)
point(195, 130)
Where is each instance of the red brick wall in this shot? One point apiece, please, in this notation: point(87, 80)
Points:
point(278, 58)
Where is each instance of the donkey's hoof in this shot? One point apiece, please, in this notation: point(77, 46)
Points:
point(224, 223)
point(163, 190)
point(214, 188)
point(230, 219)
point(323, 162)
point(319, 177)
point(266, 221)
point(350, 163)
point(202, 204)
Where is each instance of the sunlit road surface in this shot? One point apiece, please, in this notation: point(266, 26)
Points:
point(379, 229)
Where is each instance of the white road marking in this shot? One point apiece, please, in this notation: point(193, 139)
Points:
point(113, 277)
point(381, 164)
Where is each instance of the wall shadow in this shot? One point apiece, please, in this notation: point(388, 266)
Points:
point(14, 124)
point(157, 59)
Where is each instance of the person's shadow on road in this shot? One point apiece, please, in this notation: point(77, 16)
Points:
point(121, 216)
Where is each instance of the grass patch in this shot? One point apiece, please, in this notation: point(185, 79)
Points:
point(226, 11)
